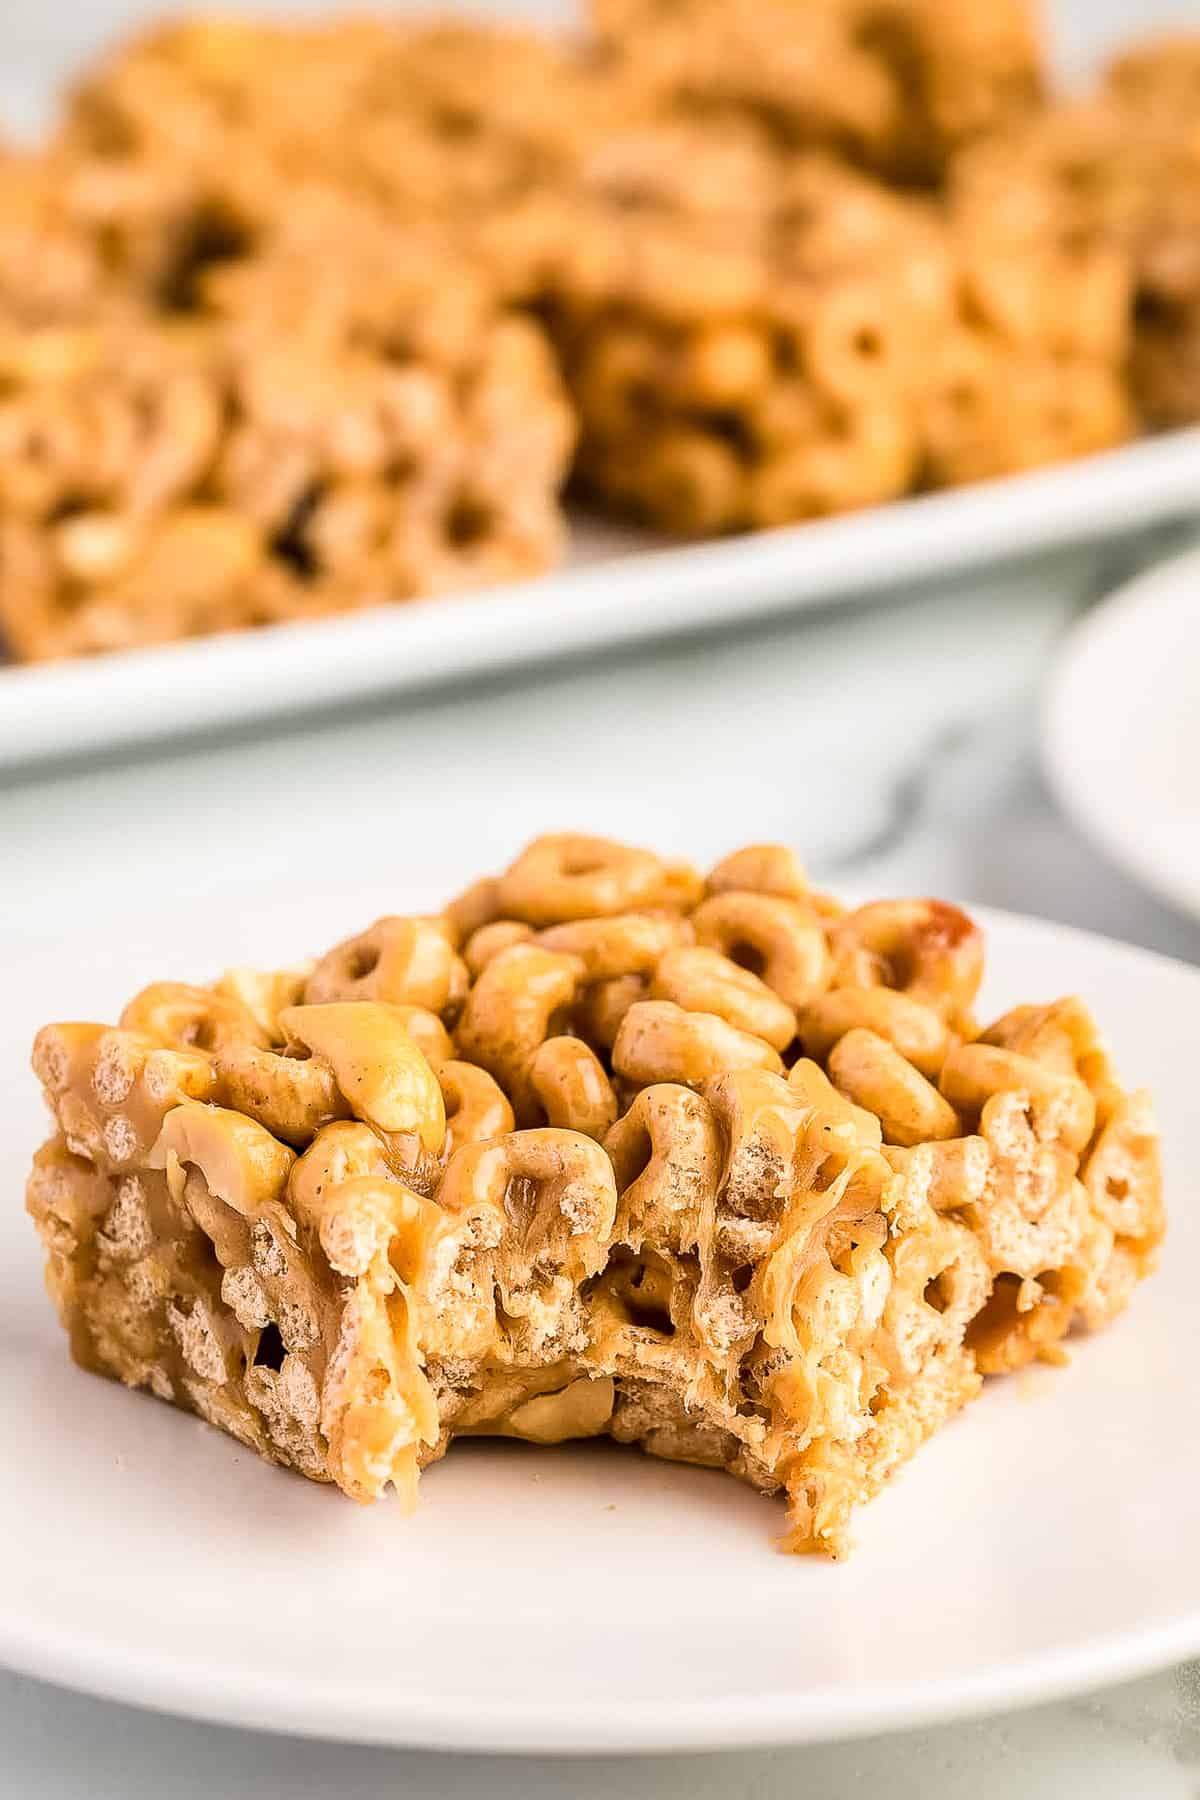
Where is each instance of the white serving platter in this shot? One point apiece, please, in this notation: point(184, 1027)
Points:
point(618, 592)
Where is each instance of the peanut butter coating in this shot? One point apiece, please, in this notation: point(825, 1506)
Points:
point(781, 1216)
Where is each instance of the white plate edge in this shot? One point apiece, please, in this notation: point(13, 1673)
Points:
point(772, 1719)
point(1152, 589)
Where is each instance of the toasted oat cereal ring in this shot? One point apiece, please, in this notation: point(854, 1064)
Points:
point(760, 869)
point(569, 876)
point(871, 455)
point(702, 980)
point(476, 1105)
point(1034, 1211)
point(691, 482)
point(917, 1032)
point(630, 944)
point(378, 1066)
point(614, 375)
point(522, 997)
point(490, 940)
point(947, 1174)
point(426, 1031)
point(603, 1004)
point(872, 1073)
point(109, 1089)
point(1122, 1173)
point(659, 1041)
point(242, 1164)
point(724, 366)
point(555, 1188)
point(405, 961)
point(475, 906)
point(760, 1117)
point(1062, 1109)
point(292, 1096)
point(265, 993)
point(666, 1153)
point(682, 888)
point(855, 347)
point(926, 949)
point(194, 1017)
point(344, 1190)
point(572, 1087)
point(776, 939)
point(1062, 1036)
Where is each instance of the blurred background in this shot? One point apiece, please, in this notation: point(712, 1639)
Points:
point(46, 45)
point(895, 742)
point(51, 42)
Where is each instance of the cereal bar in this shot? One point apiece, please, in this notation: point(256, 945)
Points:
point(723, 267)
point(1115, 179)
point(1155, 181)
point(898, 84)
point(442, 119)
point(744, 332)
point(709, 1165)
point(317, 432)
point(753, 337)
point(1035, 368)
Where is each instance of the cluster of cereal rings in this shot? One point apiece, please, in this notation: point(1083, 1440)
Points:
point(711, 1164)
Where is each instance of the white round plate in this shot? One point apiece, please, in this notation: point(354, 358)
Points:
point(1121, 735)
point(592, 1599)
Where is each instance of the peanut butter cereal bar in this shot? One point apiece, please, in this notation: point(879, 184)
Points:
point(1116, 179)
point(744, 332)
point(441, 118)
point(1035, 369)
point(328, 429)
point(897, 83)
point(709, 1165)
point(723, 266)
point(754, 336)
point(1154, 187)
point(82, 237)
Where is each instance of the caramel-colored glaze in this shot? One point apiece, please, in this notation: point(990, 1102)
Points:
point(713, 1170)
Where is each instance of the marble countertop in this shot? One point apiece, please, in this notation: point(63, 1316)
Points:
point(895, 744)
point(1142, 1741)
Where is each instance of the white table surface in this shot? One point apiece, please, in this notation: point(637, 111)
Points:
point(895, 745)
